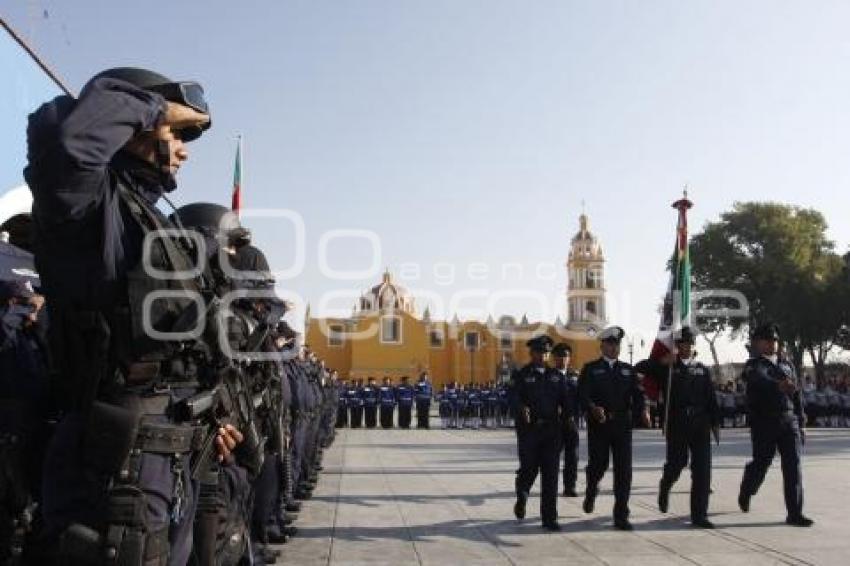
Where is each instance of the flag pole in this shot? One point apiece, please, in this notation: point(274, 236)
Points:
point(667, 398)
point(682, 205)
point(34, 56)
point(236, 196)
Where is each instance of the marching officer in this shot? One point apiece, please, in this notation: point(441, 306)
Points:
point(542, 410)
point(610, 393)
point(387, 400)
point(776, 423)
point(404, 393)
point(561, 354)
point(370, 403)
point(693, 416)
point(423, 401)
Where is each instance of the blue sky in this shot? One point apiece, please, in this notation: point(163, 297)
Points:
point(470, 131)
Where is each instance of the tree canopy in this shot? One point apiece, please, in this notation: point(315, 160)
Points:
point(779, 257)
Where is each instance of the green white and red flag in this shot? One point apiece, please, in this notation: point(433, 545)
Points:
point(236, 198)
point(676, 312)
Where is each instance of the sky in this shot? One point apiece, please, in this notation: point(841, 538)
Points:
point(459, 135)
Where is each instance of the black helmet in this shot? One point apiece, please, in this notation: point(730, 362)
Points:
point(187, 93)
point(209, 219)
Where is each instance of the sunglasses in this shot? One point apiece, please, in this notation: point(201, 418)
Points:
point(187, 93)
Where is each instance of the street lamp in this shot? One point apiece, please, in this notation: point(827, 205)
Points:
point(631, 345)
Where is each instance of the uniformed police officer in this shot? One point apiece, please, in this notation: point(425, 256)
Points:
point(423, 401)
point(561, 354)
point(370, 403)
point(542, 412)
point(693, 416)
point(97, 166)
point(354, 400)
point(776, 423)
point(405, 395)
point(342, 403)
point(610, 393)
point(387, 401)
point(24, 408)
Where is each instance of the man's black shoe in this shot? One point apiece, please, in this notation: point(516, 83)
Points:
point(744, 502)
point(801, 521)
point(290, 531)
point(570, 492)
point(277, 538)
point(589, 501)
point(519, 508)
point(623, 525)
point(702, 523)
point(293, 507)
point(552, 526)
point(663, 497)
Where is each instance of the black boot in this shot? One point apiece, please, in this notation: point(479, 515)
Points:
point(744, 501)
point(519, 506)
point(663, 496)
point(589, 500)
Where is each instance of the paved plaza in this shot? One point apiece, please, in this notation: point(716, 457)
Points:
point(445, 498)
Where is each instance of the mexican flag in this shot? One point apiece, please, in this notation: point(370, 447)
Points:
point(236, 199)
point(676, 312)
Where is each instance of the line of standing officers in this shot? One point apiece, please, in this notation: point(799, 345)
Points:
point(369, 402)
point(548, 398)
point(474, 406)
point(180, 419)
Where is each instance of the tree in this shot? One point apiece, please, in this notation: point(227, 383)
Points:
point(779, 258)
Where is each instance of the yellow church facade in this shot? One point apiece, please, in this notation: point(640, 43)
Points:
point(385, 337)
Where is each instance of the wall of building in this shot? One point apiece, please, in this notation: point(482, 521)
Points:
point(364, 355)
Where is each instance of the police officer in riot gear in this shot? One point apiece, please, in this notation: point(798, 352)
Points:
point(97, 166)
point(693, 416)
point(561, 354)
point(610, 394)
point(24, 410)
point(542, 412)
point(777, 422)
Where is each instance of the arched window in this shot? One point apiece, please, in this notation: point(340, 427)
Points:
point(390, 330)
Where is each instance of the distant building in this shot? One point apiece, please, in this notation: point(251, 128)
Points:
point(586, 282)
point(385, 336)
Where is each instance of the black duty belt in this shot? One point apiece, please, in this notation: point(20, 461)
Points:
point(169, 439)
point(690, 411)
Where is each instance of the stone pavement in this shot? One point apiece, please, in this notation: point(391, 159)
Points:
point(445, 498)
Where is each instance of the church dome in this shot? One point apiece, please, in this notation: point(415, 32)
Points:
point(387, 295)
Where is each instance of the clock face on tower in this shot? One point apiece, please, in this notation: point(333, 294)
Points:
point(591, 331)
